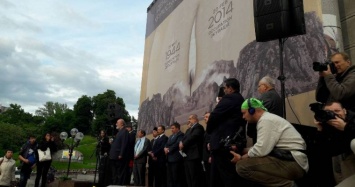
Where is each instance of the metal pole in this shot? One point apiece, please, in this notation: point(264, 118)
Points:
point(282, 77)
point(70, 155)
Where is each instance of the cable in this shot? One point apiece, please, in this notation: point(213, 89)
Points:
point(289, 104)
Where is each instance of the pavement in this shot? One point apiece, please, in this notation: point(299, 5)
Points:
point(77, 177)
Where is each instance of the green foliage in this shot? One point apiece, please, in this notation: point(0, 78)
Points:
point(17, 116)
point(89, 115)
point(83, 113)
point(12, 137)
point(50, 109)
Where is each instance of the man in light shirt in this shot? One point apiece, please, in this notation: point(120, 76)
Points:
point(277, 158)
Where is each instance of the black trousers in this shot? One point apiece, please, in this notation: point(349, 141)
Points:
point(207, 173)
point(118, 169)
point(223, 172)
point(42, 171)
point(193, 172)
point(151, 170)
point(25, 174)
point(160, 174)
point(175, 174)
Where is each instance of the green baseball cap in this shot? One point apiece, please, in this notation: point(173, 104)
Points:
point(252, 103)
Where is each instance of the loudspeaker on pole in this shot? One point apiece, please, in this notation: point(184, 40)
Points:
point(274, 19)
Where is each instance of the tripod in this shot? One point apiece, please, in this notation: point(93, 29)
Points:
point(97, 153)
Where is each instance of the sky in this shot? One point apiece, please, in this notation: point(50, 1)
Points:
point(60, 50)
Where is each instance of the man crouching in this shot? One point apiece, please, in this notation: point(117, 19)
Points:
point(277, 158)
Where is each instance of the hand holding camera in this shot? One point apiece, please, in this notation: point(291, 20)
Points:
point(328, 117)
point(325, 68)
point(337, 123)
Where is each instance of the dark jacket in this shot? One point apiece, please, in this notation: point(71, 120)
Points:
point(205, 152)
point(158, 148)
point(28, 151)
point(131, 143)
point(225, 119)
point(104, 146)
point(119, 145)
point(272, 102)
point(338, 88)
point(44, 145)
point(142, 156)
point(173, 145)
point(334, 141)
point(193, 142)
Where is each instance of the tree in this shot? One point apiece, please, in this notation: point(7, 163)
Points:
point(50, 109)
point(12, 137)
point(17, 116)
point(62, 121)
point(83, 114)
point(101, 110)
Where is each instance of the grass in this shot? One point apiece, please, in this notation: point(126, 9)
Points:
point(87, 147)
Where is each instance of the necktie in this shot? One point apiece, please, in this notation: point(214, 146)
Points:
point(137, 145)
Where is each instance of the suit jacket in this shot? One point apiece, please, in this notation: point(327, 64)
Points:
point(119, 145)
point(142, 156)
point(272, 102)
point(205, 152)
point(158, 148)
point(193, 141)
point(130, 146)
point(150, 159)
point(225, 119)
point(173, 145)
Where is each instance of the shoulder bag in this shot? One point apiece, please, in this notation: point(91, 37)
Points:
point(44, 155)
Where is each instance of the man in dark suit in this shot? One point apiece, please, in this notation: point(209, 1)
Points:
point(151, 163)
point(119, 154)
point(141, 149)
point(271, 100)
point(159, 157)
point(191, 146)
point(225, 120)
point(206, 154)
point(130, 147)
point(174, 158)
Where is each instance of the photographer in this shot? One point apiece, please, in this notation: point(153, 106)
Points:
point(338, 87)
point(335, 130)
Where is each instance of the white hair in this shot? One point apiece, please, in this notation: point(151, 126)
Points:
point(268, 80)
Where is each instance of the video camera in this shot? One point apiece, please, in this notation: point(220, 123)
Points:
point(318, 66)
point(239, 140)
point(321, 115)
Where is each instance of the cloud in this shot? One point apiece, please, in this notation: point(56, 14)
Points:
point(60, 50)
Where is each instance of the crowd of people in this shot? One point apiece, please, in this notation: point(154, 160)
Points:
point(219, 156)
point(29, 159)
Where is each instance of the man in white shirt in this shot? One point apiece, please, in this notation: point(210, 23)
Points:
point(277, 158)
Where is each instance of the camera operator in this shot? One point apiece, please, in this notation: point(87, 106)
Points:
point(338, 86)
point(103, 144)
point(103, 149)
point(334, 135)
